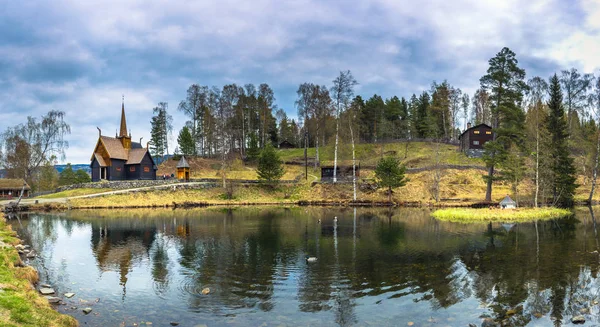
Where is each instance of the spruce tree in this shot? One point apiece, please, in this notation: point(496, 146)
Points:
point(185, 141)
point(270, 166)
point(563, 171)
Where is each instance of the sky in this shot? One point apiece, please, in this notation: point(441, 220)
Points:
point(81, 57)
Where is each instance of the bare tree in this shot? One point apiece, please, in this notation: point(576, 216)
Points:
point(342, 91)
point(28, 146)
point(465, 106)
point(455, 106)
point(537, 89)
point(575, 88)
point(595, 104)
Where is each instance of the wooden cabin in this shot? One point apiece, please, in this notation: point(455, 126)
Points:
point(183, 169)
point(118, 158)
point(344, 172)
point(473, 139)
point(11, 188)
point(285, 144)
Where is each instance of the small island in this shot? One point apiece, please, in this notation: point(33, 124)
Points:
point(486, 215)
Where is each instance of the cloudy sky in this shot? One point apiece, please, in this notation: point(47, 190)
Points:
point(82, 56)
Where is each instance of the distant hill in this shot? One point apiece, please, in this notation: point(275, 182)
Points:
point(76, 167)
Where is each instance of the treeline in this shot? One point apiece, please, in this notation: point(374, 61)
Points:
point(545, 129)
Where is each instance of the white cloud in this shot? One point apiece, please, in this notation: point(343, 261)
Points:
point(80, 56)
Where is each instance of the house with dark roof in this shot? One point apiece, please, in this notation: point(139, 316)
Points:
point(473, 139)
point(117, 158)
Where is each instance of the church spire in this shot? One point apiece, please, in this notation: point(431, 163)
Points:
point(123, 132)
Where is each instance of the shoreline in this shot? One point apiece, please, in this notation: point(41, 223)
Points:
point(18, 294)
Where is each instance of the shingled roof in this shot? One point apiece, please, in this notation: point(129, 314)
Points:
point(136, 156)
point(114, 147)
point(13, 184)
point(183, 163)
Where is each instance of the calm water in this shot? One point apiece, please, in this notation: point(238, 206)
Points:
point(375, 267)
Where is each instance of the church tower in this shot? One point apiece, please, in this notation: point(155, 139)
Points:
point(123, 136)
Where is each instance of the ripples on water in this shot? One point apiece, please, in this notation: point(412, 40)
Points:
point(375, 267)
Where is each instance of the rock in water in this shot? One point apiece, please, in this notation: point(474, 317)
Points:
point(489, 322)
point(87, 310)
point(69, 295)
point(174, 323)
point(46, 285)
point(30, 255)
point(53, 299)
point(205, 291)
point(578, 320)
point(46, 290)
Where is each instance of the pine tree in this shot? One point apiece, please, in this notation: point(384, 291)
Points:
point(185, 141)
point(563, 182)
point(270, 166)
point(504, 80)
point(390, 173)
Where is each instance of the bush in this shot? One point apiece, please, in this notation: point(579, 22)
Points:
point(270, 166)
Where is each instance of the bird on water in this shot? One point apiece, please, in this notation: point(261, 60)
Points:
point(311, 259)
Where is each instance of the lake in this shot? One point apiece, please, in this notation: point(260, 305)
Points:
point(375, 267)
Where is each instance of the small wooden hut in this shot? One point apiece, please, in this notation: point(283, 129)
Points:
point(343, 171)
point(286, 145)
point(183, 169)
point(508, 203)
point(11, 188)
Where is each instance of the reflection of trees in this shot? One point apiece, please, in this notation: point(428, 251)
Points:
point(517, 273)
point(241, 263)
point(119, 244)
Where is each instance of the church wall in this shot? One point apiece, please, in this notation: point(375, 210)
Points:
point(117, 170)
point(147, 168)
point(133, 172)
point(95, 170)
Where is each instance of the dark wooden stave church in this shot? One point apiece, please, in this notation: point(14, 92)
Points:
point(117, 158)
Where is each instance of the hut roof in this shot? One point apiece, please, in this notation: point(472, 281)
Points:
point(183, 163)
point(13, 184)
point(340, 163)
point(507, 200)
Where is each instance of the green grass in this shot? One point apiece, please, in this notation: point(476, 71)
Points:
point(20, 304)
point(418, 154)
point(464, 215)
point(75, 192)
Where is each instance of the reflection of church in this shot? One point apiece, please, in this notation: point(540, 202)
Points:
point(119, 248)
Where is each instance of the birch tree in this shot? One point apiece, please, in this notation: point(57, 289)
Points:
point(575, 87)
point(595, 104)
point(342, 91)
point(26, 147)
point(537, 89)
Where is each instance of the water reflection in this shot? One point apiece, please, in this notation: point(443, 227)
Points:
point(380, 267)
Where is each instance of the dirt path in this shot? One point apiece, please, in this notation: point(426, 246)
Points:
point(65, 199)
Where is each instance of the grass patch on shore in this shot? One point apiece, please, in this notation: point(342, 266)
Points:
point(467, 215)
point(75, 192)
point(20, 304)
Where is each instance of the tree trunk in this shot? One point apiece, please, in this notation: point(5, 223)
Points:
point(353, 164)
point(337, 128)
point(488, 190)
point(317, 146)
point(595, 170)
point(390, 194)
point(537, 161)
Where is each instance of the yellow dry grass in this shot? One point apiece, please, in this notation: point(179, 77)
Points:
point(20, 304)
